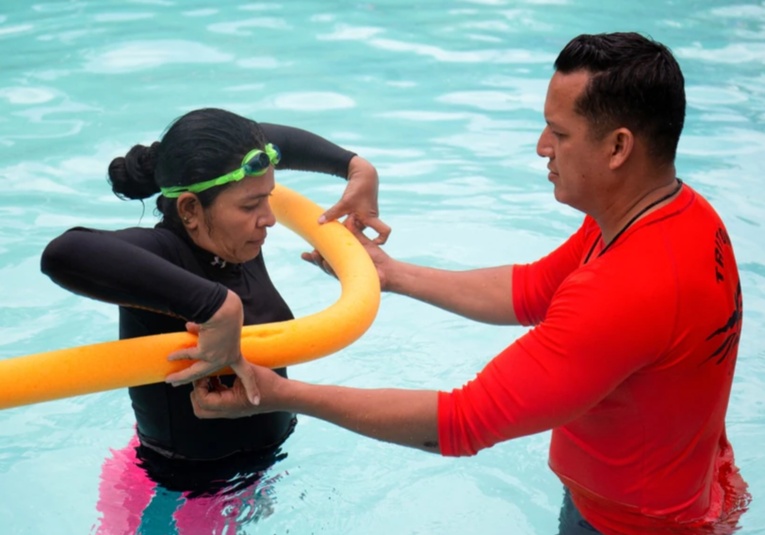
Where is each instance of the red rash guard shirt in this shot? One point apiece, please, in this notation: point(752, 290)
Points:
point(630, 363)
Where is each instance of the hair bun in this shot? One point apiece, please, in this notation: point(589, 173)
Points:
point(132, 176)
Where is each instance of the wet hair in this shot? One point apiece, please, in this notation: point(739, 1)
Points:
point(635, 83)
point(198, 146)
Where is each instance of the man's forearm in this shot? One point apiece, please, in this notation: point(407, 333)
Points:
point(484, 295)
point(405, 417)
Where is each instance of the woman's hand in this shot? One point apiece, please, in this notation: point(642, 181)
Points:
point(218, 346)
point(212, 399)
point(360, 199)
point(384, 263)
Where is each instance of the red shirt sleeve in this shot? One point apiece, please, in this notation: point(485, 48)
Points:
point(535, 284)
point(553, 374)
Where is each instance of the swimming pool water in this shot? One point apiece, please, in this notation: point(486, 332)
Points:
point(445, 98)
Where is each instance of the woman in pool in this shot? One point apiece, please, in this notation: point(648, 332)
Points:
point(201, 269)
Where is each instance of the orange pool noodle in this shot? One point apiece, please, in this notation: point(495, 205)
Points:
point(138, 361)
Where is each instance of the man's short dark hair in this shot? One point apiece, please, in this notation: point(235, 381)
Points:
point(635, 83)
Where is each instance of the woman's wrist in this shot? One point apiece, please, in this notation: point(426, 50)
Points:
point(230, 310)
point(361, 168)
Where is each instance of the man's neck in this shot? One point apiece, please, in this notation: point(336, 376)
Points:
point(633, 203)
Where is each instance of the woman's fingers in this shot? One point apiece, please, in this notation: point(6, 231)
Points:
point(198, 370)
point(383, 230)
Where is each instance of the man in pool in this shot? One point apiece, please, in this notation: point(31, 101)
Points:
point(637, 318)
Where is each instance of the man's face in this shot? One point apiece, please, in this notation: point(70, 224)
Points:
point(577, 162)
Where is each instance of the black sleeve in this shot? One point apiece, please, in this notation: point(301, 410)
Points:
point(304, 151)
point(126, 268)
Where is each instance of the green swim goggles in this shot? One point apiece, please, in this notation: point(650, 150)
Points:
point(254, 163)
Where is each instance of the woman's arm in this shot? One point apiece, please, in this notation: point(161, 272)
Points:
point(304, 151)
point(124, 268)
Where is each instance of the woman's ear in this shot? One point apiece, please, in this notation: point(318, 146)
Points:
point(189, 209)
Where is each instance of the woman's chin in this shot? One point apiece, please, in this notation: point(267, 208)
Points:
point(252, 253)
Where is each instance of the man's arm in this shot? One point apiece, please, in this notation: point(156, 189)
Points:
point(484, 294)
point(404, 417)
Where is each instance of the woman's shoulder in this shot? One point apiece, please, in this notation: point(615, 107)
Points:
point(156, 234)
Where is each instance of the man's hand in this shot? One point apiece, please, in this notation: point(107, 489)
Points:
point(251, 393)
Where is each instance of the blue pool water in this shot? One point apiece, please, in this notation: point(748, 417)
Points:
point(445, 98)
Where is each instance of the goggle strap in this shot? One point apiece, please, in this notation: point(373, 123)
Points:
point(274, 157)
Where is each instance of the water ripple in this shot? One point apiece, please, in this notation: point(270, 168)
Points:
point(27, 95)
point(446, 100)
point(499, 56)
point(142, 55)
point(313, 101)
point(249, 26)
point(735, 53)
point(15, 29)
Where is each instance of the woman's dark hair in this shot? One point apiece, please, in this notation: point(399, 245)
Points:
point(199, 146)
point(635, 83)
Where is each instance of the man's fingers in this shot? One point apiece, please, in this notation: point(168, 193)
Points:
point(315, 258)
point(215, 384)
point(204, 401)
point(203, 387)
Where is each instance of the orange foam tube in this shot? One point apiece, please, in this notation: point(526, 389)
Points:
point(138, 361)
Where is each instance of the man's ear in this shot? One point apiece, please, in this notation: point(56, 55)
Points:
point(622, 142)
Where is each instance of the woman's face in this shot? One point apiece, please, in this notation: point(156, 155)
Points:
point(234, 226)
